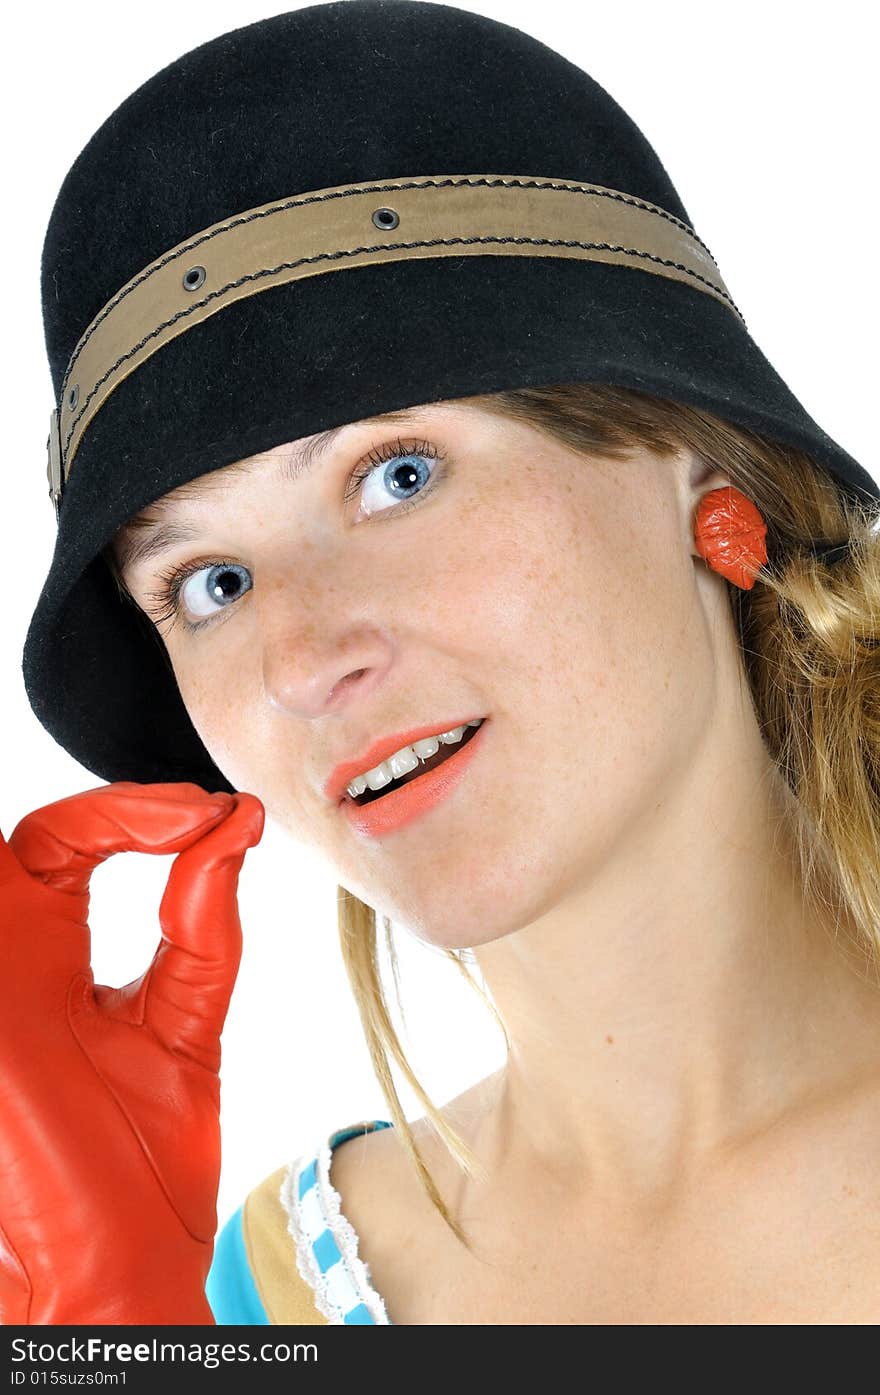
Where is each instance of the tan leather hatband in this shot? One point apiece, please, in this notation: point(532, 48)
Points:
point(356, 225)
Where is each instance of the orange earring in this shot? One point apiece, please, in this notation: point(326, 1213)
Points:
point(730, 532)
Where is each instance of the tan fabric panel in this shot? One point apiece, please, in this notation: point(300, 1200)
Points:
point(271, 1254)
point(352, 225)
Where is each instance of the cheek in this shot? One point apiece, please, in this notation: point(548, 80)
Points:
point(218, 704)
point(628, 639)
point(598, 657)
point(591, 734)
point(568, 598)
point(597, 661)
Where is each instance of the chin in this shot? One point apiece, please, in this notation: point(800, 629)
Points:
point(454, 931)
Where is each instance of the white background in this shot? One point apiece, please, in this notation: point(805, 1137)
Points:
point(765, 116)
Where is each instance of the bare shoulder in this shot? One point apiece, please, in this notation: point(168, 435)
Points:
point(784, 1231)
point(379, 1188)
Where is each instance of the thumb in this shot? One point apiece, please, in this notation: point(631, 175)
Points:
point(193, 974)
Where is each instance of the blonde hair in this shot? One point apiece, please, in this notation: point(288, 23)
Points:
point(809, 633)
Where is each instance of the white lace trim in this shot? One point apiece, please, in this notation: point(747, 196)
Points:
point(307, 1265)
point(347, 1238)
point(343, 1233)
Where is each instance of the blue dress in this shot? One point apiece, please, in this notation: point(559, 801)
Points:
point(289, 1255)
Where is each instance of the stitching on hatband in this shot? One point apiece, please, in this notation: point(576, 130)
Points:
point(238, 221)
point(381, 247)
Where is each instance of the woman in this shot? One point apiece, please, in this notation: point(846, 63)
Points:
point(658, 827)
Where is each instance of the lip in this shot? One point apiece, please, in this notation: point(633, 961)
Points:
point(403, 805)
point(343, 775)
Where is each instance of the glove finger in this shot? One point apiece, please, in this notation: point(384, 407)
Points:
point(194, 971)
point(62, 843)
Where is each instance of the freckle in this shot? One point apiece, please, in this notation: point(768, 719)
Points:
point(610, 1041)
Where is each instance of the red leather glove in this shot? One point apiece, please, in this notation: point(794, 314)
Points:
point(110, 1097)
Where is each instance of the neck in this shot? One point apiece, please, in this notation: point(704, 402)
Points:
point(678, 999)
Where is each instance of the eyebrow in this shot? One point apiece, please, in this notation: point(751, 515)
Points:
point(154, 538)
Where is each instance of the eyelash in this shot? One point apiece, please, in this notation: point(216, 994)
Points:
point(171, 582)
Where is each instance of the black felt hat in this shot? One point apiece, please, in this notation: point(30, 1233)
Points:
point(333, 213)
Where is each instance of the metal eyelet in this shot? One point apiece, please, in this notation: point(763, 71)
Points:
point(73, 396)
point(385, 218)
point(194, 278)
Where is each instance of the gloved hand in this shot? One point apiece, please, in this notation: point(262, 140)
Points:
point(110, 1097)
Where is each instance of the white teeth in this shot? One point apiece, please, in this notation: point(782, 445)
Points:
point(403, 762)
point(406, 759)
point(427, 747)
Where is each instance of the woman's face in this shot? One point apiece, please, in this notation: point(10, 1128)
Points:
point(550, 593)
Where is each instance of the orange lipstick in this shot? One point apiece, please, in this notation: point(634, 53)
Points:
point(402, 806)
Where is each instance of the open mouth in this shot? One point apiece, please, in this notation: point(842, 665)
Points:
point(443, 754)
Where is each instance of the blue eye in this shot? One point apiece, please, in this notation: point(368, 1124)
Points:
point(220, 585)
point(394, 474)
point(206, 588)
point(205, 585)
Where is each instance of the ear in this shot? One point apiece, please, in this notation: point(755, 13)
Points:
point(696, 477)
point(704, 476)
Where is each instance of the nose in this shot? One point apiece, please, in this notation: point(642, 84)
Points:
point(317, 657)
